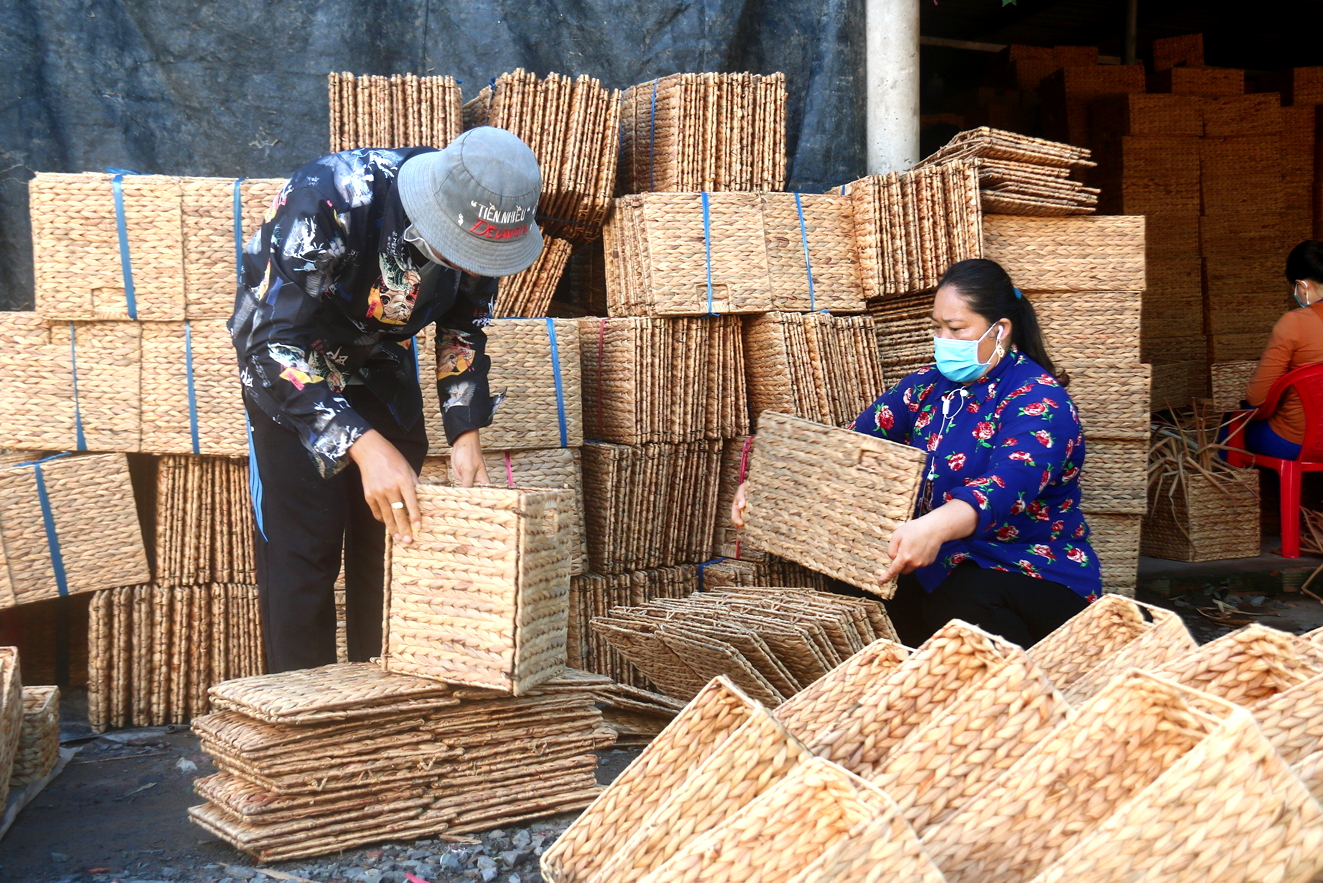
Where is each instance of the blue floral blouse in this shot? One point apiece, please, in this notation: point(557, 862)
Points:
point(1010, 445)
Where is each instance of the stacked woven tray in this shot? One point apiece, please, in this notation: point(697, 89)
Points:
point(817, 366)
point(910, 226)
point(573, 127)
point(318, 761)
point(39, 738)
point(829, 498)
point(154, 652)
point(545, 469)
point(649, 505)
point(704, 131)
point(687, 254)
point(141, 247)
point(1191, 772)
point(528, 294)
point(204, 522)
point(480, 597)
point(637, 716)
point(770, 642)
point(1020, 175)
point(402, 110)
point(67, 525)
point(535, 365)
point(663, 380)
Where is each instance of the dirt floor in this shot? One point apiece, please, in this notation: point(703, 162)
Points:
point(118, 812)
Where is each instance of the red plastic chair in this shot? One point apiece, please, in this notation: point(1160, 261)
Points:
point(1307, 381)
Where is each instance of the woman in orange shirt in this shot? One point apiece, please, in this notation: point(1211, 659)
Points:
point(1297, 339)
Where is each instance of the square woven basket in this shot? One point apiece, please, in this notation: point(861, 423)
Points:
point(39, 740)
point(481, 595)
point(806, 482)
point(1193, 518)
point(1088, 253)
point(219, 216)
point(192, 401)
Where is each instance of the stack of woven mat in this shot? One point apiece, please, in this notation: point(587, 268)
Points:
point(403, 110)
point(693, 254)
point(154, 651)
point(919, 765)
point(708, 131)
point(317, 761)
point(204, 522)
point(770, 642)
point(572, 125)
point(813, 365)
point(1020, 175)
point(528, 294)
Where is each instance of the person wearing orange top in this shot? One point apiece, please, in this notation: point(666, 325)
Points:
point(1297, 339)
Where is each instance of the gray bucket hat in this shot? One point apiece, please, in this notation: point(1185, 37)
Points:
point(474, 201)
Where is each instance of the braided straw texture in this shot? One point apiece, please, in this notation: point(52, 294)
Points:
point(528, 293)
point(523, 371)
point(1113, 479)
point(748, 763)
point(1310, 771)
point(1112, 398)
point(1112, 748)
point(372, 111)
point(1230, 809)
point(779, 834)
point(1293, 719)
point(345, 691)
point(95, 520)
point(878, 849)
point(39, 738)
point(1071, 324)
point(204, 522)
point(481, 595)
point(1247, 666)
point(11, 716)
point(76, 250)
point(714, 715)
point(166, 420)
point(802, 479)
point(207, 210)
point(1229, 382)
point(1092, 253)
point(547, 469)
point(822, 703)
point(1199, 518)
point(660, 257)
point(1115, 540)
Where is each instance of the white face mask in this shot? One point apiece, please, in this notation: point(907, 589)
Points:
point(412, 237)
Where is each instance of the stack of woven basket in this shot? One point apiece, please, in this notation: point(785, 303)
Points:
point(919, 764)
point(403, 110)
point(709, 131)
point(317, 761)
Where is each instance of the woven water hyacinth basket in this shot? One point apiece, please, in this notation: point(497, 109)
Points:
point(1090, 326)
point(1091, 253)
point(481, 595)
point(1115, 540)
point(1112, 398)
point(1228, 809)
point(1107, 635)
point(67, 525)
point(219, 216)
point(1247, 666)
point(881, 848)
point(99, 255)
point(1229, 382)
point(801, 479)
point(1293, 718)
point(535, 365)
point(695, 735)
point(1114, 476)
point(192, 401)
point(39, 738)
point(11, 716)
point(549, 468)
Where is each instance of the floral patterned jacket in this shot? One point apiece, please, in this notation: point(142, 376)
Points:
point(1009, 445)
point(331, 294)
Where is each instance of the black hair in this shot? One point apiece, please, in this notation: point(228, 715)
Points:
point(987, 289)
point(1305, 262)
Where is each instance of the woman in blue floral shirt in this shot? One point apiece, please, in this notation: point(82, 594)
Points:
point(998, 539)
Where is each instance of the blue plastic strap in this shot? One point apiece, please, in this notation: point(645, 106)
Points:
point(808, 264)
point(238, 230)
point(80, 440)
point(702, 566)
point(48, 519)
point(707, 244)
point(125, 264)
point(192, 395)
point(560, 389)
point(254, 478)
point(843, 190)
point(652, 140)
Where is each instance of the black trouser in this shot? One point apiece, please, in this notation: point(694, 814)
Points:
point(1019, 608)
point(304, 523)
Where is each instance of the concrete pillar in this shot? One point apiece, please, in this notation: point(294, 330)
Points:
point(892, 81)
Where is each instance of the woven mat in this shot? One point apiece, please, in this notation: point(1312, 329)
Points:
point(403, 109)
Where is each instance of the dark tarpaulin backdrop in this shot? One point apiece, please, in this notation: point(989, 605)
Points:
point(238, 88)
